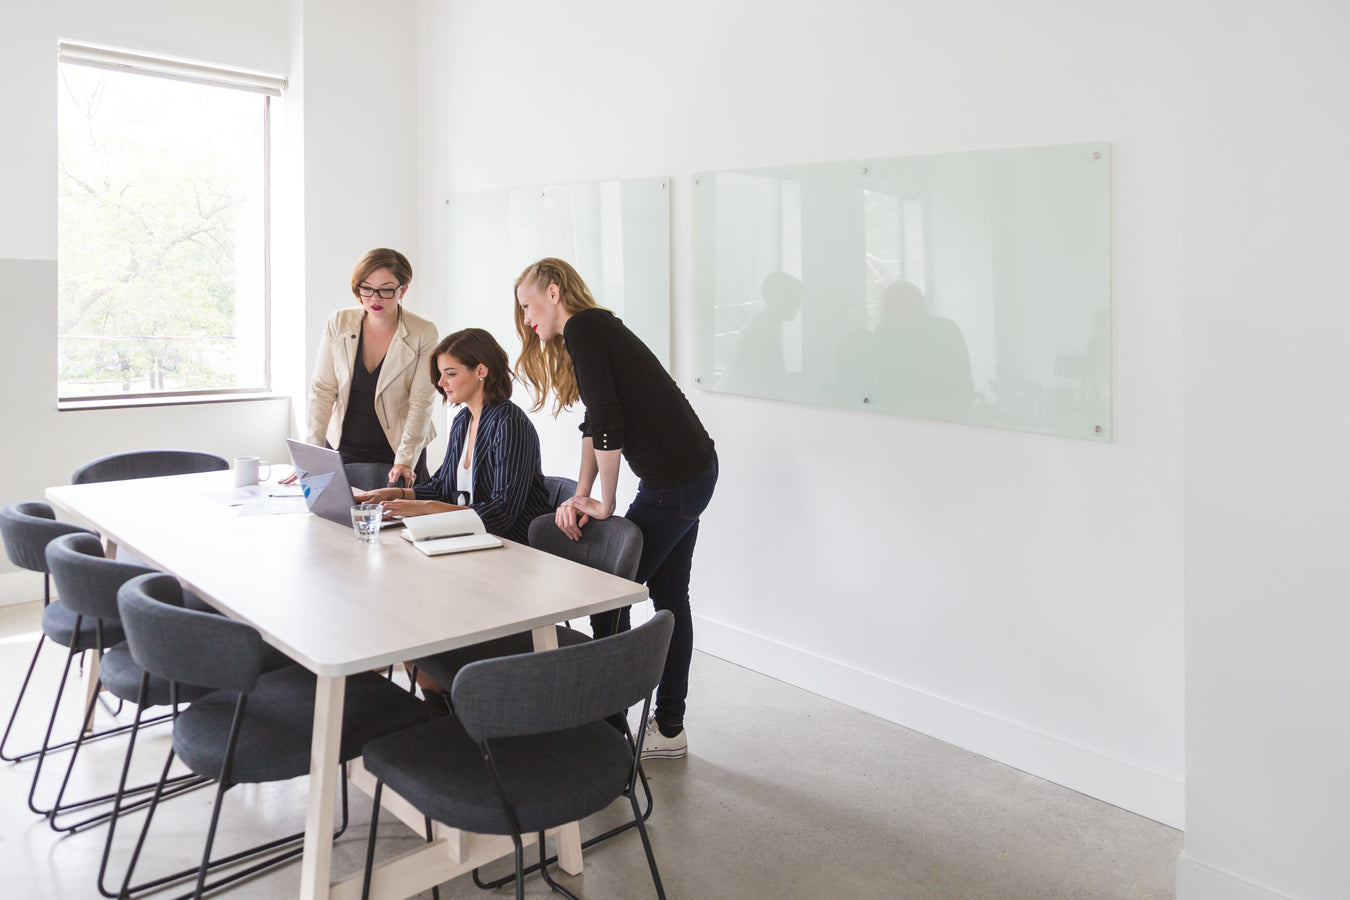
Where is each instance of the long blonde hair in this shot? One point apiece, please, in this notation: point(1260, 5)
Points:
point(548, 366)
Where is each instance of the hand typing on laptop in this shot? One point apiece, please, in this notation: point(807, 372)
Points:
point(400, 502)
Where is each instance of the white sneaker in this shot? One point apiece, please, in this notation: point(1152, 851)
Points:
point(656, 745)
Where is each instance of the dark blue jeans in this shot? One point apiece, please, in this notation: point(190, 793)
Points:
point(668, 518)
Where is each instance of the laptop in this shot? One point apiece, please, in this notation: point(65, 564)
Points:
point(323, 481)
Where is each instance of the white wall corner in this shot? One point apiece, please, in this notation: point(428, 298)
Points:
point(1197, 881)
point(1148, 793)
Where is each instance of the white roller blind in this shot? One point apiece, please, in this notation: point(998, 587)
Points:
point(168, 67)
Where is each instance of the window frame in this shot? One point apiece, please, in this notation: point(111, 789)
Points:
point(99, 56)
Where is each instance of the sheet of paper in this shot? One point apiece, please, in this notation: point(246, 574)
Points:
point(238, 496)
point(274, 506)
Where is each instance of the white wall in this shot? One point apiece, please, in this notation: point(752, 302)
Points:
point(1267, 443)
point(362, 91)
point(1015, 594)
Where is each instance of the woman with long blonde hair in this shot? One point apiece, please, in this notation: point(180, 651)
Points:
point(576, 350)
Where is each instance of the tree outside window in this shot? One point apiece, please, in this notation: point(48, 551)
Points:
point(162, 217)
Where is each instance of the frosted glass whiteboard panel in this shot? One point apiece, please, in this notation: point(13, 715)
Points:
point(616, 234)
point(969, 287)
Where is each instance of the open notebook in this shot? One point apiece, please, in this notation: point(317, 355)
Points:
point(448, 532)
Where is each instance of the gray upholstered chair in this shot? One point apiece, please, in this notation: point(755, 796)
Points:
point(365, 476)
point(147, 464)
point(135, 464)
point(559, 489)
point(254, 726)
point(88, 583)
point(612, 545)
point(531, 746)
point(27, 528)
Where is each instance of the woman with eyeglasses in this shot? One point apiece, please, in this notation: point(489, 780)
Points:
point(370, 398)
point(492, 462)
point(635, 411)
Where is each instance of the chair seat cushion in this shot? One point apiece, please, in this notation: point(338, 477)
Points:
point(58, 623)
point(550, 778)
point(121, 677)
point(274, 740)
point(445, 666)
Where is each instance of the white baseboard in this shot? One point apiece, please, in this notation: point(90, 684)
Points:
point(20, 586)
point(1197, 881)
point(1151, 794)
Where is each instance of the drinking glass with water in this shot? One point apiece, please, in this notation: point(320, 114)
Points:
point(366, 521)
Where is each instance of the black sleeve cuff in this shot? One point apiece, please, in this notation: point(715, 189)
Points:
point(607, 438)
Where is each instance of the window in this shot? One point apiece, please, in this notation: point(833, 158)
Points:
point(162, 216)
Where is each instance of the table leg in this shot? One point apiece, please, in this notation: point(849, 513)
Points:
point(569, 835)
point(90, 660)
point(91, 669)
point(323, 781)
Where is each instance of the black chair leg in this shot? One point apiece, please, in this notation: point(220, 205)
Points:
point(117, 802)
point(47, 737)
point(520, 868)
point(221, 788)
point(199, 873)
point(586, 844)
point(145, 829)
point(543, 870)
point(436, 889)
point(70, 766)
point(23, 689)
point(370, 842)
point(647, 846)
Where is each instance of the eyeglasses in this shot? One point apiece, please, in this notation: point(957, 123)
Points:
point(385, 293)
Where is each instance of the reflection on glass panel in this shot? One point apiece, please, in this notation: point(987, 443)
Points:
point(970, 287)
point(615, 233)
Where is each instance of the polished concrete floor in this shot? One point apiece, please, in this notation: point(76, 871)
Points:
point(784, 794)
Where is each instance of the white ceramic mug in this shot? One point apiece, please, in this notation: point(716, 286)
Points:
point(246, 470)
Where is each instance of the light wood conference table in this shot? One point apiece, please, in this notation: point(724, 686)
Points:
point(339, 607)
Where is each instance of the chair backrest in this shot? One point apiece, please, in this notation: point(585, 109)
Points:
point(531, 693)
point(612, 545)
point(366, 476)
point(147, 464)
point(559, 489)
point(86, 581)
point(184, 645)
point(27, 528)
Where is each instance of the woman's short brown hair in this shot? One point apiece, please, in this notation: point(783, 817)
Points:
point(382, 258)
point(475, 347)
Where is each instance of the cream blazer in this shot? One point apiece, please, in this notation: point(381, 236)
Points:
point(403, 394)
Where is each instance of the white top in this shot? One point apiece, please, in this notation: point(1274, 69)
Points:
point(464, 478)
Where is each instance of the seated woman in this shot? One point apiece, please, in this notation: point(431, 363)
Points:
point(492, 462)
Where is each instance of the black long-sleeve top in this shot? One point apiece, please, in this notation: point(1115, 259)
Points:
point(632, 403)
point(508, 483)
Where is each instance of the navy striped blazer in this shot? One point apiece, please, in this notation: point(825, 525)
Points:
point(508, 483)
